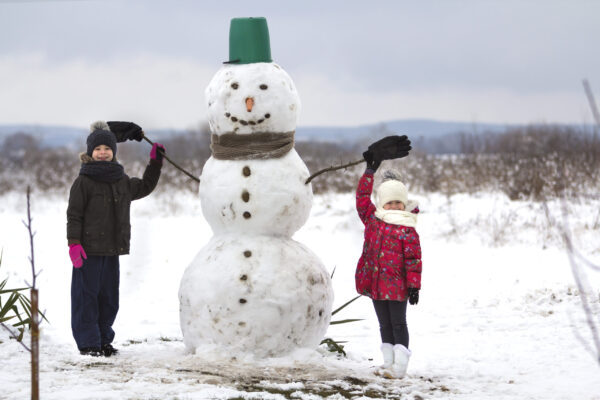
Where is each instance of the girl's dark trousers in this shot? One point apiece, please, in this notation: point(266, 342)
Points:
point(392, 321)
point(95, 301)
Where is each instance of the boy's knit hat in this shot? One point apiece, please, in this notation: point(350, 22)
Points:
point(391, 189)
point(101, 134)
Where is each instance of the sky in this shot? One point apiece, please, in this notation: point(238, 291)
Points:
point(480, 61)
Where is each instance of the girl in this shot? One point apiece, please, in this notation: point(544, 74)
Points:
point(98, 232)
point(389, 269)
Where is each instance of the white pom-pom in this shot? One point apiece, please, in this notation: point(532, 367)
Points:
point(99, 126)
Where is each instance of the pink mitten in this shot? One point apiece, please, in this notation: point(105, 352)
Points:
point(157, 152)
point(76, 253)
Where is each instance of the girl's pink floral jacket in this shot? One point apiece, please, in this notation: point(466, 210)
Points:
point(391, 258)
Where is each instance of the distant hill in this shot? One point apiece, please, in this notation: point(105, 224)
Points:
point(50, 135)
point(414, 128)
point(426, 134)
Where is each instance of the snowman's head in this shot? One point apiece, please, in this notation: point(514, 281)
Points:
point(252, 98)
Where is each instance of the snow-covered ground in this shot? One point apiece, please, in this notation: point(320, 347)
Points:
point(499, 317)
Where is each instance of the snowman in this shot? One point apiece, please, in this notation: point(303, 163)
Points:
point(252, 288)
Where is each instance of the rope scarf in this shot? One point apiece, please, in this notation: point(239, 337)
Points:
point(254, 146)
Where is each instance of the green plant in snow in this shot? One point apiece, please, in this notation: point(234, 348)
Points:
point(16, 308)
point(336, 346)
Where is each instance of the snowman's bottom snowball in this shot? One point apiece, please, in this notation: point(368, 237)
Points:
point(262, 295)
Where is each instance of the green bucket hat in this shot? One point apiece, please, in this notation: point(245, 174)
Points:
point(249, 41)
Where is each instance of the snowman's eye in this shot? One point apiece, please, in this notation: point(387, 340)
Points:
point(234, 86)
point(263, 87)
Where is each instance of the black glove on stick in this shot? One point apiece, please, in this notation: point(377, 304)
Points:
point(390, 147)
point(126, 131)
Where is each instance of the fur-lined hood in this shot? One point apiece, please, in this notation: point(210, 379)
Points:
point(412, 206)
point(84, 158)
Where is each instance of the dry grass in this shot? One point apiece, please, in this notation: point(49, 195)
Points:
point(537, 163)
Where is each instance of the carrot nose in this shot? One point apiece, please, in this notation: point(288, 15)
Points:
point(249, 103)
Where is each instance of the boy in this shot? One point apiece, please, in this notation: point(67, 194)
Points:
point(98, 232)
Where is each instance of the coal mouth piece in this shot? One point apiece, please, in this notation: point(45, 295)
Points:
point(246, 122)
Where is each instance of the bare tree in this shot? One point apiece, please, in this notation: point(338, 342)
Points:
point(32, 309)
point(592, 101)
point(35, 323)
point(579, 265)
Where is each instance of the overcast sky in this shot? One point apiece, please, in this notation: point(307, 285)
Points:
point(73, 62)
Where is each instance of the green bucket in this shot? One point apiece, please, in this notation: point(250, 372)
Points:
point(249, 41)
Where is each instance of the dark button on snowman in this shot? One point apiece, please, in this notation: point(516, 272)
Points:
point(252, 288)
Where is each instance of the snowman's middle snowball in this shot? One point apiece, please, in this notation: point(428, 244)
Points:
point(271, 191)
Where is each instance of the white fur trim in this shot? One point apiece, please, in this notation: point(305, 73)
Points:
point(411, 205)
point(99, 126)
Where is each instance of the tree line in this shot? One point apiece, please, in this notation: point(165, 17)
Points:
point(535, 162)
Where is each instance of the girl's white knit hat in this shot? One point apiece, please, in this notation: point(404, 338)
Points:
point(391, 190)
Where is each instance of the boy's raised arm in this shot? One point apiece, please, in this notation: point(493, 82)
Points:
point(143, 187)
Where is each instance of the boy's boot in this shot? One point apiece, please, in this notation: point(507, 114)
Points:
point(90, 351)
point(387, 350)
point(401, 356)
point(108, 350)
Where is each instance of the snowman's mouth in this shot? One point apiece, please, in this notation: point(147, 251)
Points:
point(233, 118)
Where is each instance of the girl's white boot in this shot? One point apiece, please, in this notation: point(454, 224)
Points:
point(387, 350)
point(401, 356)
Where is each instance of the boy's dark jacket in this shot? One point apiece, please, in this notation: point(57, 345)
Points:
point(98, 212)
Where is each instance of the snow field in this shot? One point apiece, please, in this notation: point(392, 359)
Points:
point(499, 316)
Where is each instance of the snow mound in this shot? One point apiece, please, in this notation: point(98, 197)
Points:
point(266, 295)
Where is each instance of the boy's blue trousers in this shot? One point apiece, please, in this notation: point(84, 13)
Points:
point(95, 301)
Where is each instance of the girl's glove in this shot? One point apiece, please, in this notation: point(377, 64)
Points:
point(76, 253)
point(372, 164)
point(390, 148)
point(413, 295)
point(157, 152)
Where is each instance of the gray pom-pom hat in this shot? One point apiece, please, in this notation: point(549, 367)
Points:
point(100, 134)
